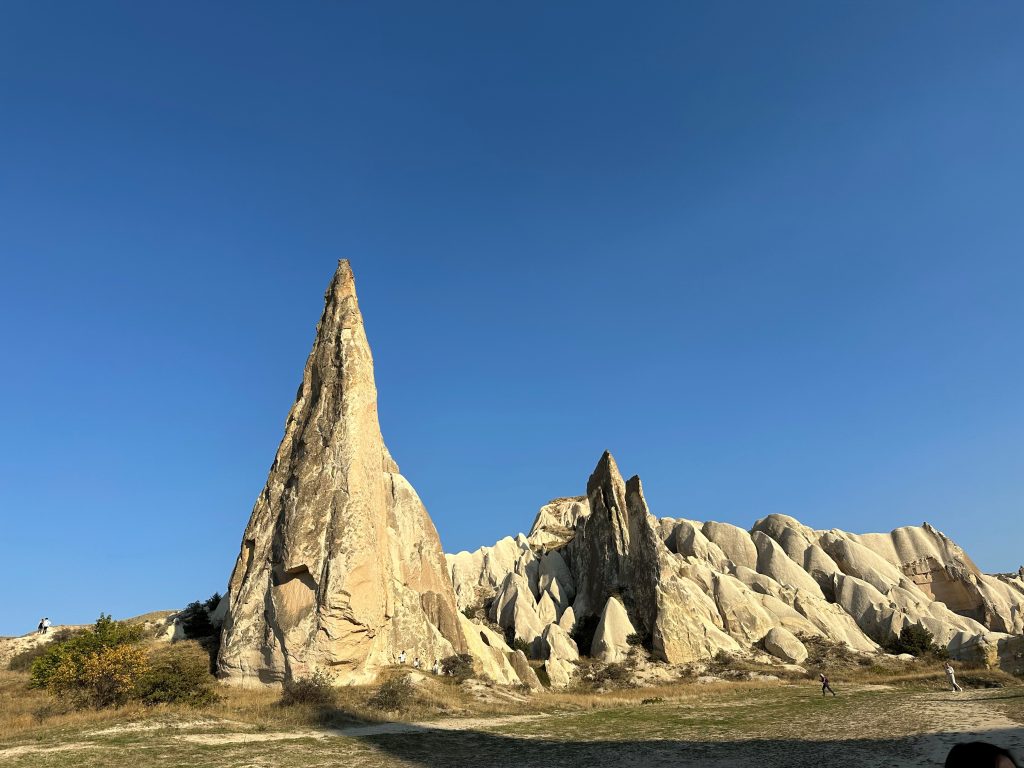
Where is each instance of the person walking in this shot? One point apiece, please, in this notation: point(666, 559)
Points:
point(824, 685)
point(46, 625)
point(39, 627)
point(951, 676)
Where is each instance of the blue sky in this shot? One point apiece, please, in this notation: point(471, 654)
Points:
point(767, 254)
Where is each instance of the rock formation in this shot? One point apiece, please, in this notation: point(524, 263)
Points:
point(687, 590)
point(340, 566)
point(341, 569)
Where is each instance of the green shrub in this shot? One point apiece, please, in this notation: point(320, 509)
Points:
point(315, 690)
point(195, 619)
point(521, 645)
point(917, 641)
point(178, 674)
point(637, 639)
point(70, 654)
point(393, 694)
point(104, 678)
point(459, 666)
point(614, 675)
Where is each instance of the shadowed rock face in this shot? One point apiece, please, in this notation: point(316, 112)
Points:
point(616, 550)
point(340, 566)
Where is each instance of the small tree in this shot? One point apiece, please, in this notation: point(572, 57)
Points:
point(195, 621)
point(315, 690)
point(917, 641)
point(459, 666)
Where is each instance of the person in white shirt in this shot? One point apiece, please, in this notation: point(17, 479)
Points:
point(951, 676)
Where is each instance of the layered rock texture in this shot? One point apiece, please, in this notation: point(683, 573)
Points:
point(687, 590)
point(340, 566)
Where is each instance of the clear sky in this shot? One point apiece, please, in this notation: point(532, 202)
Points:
point(768, 254)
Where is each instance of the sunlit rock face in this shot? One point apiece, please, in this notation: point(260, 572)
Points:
point(340, 566)
point(688, 590)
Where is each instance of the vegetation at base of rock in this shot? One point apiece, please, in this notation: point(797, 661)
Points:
point(917, 641)
point(393, 694)
point(69, 655)
point(459, 666)
point(315, 690)
point(109, 665)
point(107, 677)
point(177, 674)
point(598, 676)
point(196, 624)
point(195, 619)
point(521, 645)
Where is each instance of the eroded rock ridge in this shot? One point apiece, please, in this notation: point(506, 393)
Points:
point(687, 589)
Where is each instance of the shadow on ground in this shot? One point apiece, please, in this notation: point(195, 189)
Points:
point(423, 746)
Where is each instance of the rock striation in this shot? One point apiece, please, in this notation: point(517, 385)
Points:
point(688, 590)
point(340, 566)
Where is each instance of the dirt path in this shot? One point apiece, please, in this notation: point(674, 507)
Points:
point(455, 724)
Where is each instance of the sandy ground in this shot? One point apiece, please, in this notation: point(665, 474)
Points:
point(870, 726)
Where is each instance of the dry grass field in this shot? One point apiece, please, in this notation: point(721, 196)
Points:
point(906, 718)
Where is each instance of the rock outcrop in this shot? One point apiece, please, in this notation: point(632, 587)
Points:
point(340, 566)
point(687, 590)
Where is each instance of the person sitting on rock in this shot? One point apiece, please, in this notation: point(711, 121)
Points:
point(951, 676)
point(416, 663)
point(824, 685)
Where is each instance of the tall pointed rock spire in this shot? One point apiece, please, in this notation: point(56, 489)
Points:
point(340, 567)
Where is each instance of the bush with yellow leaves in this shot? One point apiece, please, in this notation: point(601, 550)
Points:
point(105, 678)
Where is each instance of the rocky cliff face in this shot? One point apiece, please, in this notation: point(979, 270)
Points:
point(689, 589)
point(340, 566)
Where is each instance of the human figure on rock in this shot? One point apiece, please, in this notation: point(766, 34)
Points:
point(39, 627)
point(824, 685)
point(401, 657)
point(436, 669)
point(416, 664)
point(951, 677)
